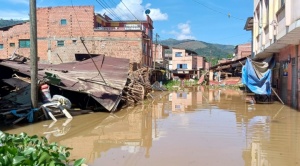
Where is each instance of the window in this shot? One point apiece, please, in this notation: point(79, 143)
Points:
point(281, 3)
point(11, 44)
point(177, 106)
point(63, 22)
point(60, 43)
point(267, 10)
point(1, 46)
point(24, 43)
point(182, 95)
point(178, 54)
point(145, 48)
point(74, 41)
point(181, 66)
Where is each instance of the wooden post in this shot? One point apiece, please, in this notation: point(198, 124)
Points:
point(277, 96)
point(33, 54)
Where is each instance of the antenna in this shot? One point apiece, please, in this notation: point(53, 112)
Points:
point(147, 11)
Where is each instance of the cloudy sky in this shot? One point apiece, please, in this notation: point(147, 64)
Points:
point(213, 21)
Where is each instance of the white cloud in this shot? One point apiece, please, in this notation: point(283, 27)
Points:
point(19, 1)
point(12, 14)
point(184, 31)
point(132, 10)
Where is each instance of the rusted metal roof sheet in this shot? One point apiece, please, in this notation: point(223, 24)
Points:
point(83, 77)
point(228, 63)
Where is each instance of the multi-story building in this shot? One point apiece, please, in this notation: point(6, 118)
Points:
point(207, 65)
point(186, 64)
point(70, 33)
point(242, 50)
point(276, 32)
point(159, 56)
point(160, 63)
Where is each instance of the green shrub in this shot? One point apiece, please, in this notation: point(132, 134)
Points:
point(20, 150)
point(170, 83)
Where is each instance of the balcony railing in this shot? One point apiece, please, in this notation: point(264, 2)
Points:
point(128, 28)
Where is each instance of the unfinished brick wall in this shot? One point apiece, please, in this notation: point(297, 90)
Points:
point(11, 37)
point(207, 66)
point(109, 47)
point(79, 23)
point(243, 50)
point(200, 62)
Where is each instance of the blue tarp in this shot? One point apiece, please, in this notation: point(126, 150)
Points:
point(29, 114)
point(261, 86)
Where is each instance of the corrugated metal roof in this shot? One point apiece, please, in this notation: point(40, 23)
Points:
point(83, 77)
point(6, 24)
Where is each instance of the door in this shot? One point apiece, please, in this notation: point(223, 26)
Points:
point(283, 81)
point(294, 84)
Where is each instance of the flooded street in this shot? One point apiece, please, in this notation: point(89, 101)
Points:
point(195, 127)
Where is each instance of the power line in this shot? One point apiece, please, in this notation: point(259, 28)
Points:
point(129, 11)
point(81, 39)
point(227, 14)
point(108, 9)
point(119, 9)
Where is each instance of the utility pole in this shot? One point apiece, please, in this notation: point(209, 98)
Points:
point(33, 54)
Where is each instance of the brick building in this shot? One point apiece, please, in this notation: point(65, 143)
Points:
point(242, 50)
point(159, 56)
point(63, 30)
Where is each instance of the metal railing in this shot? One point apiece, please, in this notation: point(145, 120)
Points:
point(135, 28)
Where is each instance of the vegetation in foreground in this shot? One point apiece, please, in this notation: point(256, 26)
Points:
point(20, 150)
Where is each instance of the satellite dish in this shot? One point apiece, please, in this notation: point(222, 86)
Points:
point(147, 11)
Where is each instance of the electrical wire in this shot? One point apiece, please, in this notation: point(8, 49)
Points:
point(122, 12)
point(108, 9)
point(130, 11)
point(223, 13)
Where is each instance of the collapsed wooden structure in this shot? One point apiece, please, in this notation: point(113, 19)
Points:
point(137, 86)
point(100, 87)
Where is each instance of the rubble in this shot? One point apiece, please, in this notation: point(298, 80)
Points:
point(100, 87)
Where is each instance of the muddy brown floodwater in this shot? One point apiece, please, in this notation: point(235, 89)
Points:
point(196, 126)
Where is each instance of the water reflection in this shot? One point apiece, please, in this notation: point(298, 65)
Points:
point(194, 126)
point(57, 128)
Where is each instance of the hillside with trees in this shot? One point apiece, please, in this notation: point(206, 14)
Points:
point(212, 52)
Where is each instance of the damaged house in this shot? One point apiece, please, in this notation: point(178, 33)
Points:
point(88, 58)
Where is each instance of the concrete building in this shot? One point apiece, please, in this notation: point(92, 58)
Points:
point(67, 34)
point(242, 50)
point(159, 56)
point(160, 63)
point(207, 66)
point(276, 32)
point(186, 64)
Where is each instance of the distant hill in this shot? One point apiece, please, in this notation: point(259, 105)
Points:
point(205, 49)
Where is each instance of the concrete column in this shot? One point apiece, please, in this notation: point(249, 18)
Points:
point(288, 12)
point(211, 75)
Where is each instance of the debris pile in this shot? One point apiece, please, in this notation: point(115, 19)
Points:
point(137, 86)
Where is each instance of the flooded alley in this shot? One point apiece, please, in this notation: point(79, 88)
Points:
point(195, 126)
